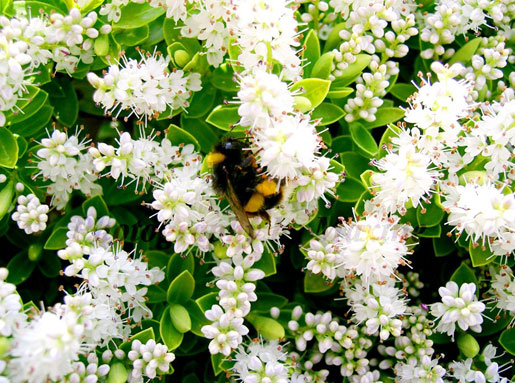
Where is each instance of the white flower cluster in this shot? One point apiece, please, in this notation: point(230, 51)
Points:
point(378, 306)
point(11, 313)
point(64, 161)
point(503, 289)
point(175, 9)
point(465, 372)
point(459, 305)
point(89, 371)
point(142, 160)
point(30, 215)
point(235, 279)
point(256, 27)
point(259, 362)
point(426, 370)
point(371, 247)
point(27, 43)
point(148, 360)
point(147, 87)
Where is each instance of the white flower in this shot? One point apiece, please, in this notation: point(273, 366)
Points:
point(324, 255)
point(287, 147)
point(11, 307)
point(503, 289)
point(148, 360)
point(226, 331)
point(481, 211)
point(426, 370)
point(374, 246)
point(314, 183)
point(459, 305)
point(261, 362)
point(146, 87)
point(30, 214)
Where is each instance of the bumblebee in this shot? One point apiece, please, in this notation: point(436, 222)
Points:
point(236, 177)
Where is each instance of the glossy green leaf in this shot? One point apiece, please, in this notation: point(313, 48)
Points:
point(495, 321)
point(310, 52)
point(268, 300)
point(385, 116)
point(57, 239)
point(429, 215)
point(363, 139)
point(179, 263)
point(266, 263)
point(197, 317)
point(6, 197)
point(29, 128)
point(8, 148)
point(480, 255)
point(201, 103)
point(180, 136)
point(135, 15)
point(507, 340)
point(354, 163)
point(403, 91)
point(269, 328)
point(203, 132)
point(131, 37)
point(36, 100)
point(223, 78)
point(181, 288)
point(66, 108)
point(323, 66)
point(350, 73)
point(49, 264)
point(314, 89)
point(337, 92)
point(155, 294)
point(465, 53)
point(20, 267)
point(334, 40)
point(171, 337)
point(341, 144)
point(143, 336)
point(315, 283)
point(224, 118)
point(391, 132)
point(98, 203)
point(327, 113)
point(443, 246)
point(464, 274)
point(205, 302)
point(430, 232)
point(350, 190)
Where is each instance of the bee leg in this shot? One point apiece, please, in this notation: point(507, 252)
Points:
point(264, 214)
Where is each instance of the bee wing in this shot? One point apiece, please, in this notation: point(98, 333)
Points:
point(238, 210)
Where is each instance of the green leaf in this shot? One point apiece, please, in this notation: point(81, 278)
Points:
point(224, 118)
point(135, 15)
point(316, 283)
point(480, 255)
point(217, 361)
point(202, 102)
point(179, 263)
point(266, 263)
point(143, 336)
point(354, 163)
point(130, 37)
point(36, 100)
point(465, 53)
point(464, 274)
point(341, 144)
point(268, 300)
point(20, 267)
point(201, 131)
point(507, 340)
point(172, 33)
point(66, 109)
point(327, 113)
point(391, 132)
point(350, 190)
point(181, 288)
point(37, 7)
point(223, 78)
point(334, 40)
point(155, 294)
point(443, 246)
point(363, 139)
point(350, 73)
point(57, 239)
point(50, 265)
point(269, 328)
point(207, 301)
point(337, 92)
point(171, 337)
point(98, 203)
point(310, 52)
point(430, 232)
point(314, 89)
point(180, 318)
point(385, 116)
point(429, 215)
point(494, 322)
point(33, 125)
point(402, 91)
point(8, 148)
point(179, 136)
point(197, 317)
point(323, 66)
point(6, 197)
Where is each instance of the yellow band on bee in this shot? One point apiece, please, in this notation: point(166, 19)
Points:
point(214, 158)
point(255, 203)
point(267, 188)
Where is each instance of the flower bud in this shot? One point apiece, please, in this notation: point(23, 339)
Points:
point(118, 374)
point(468, 345)
point(180, 318)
